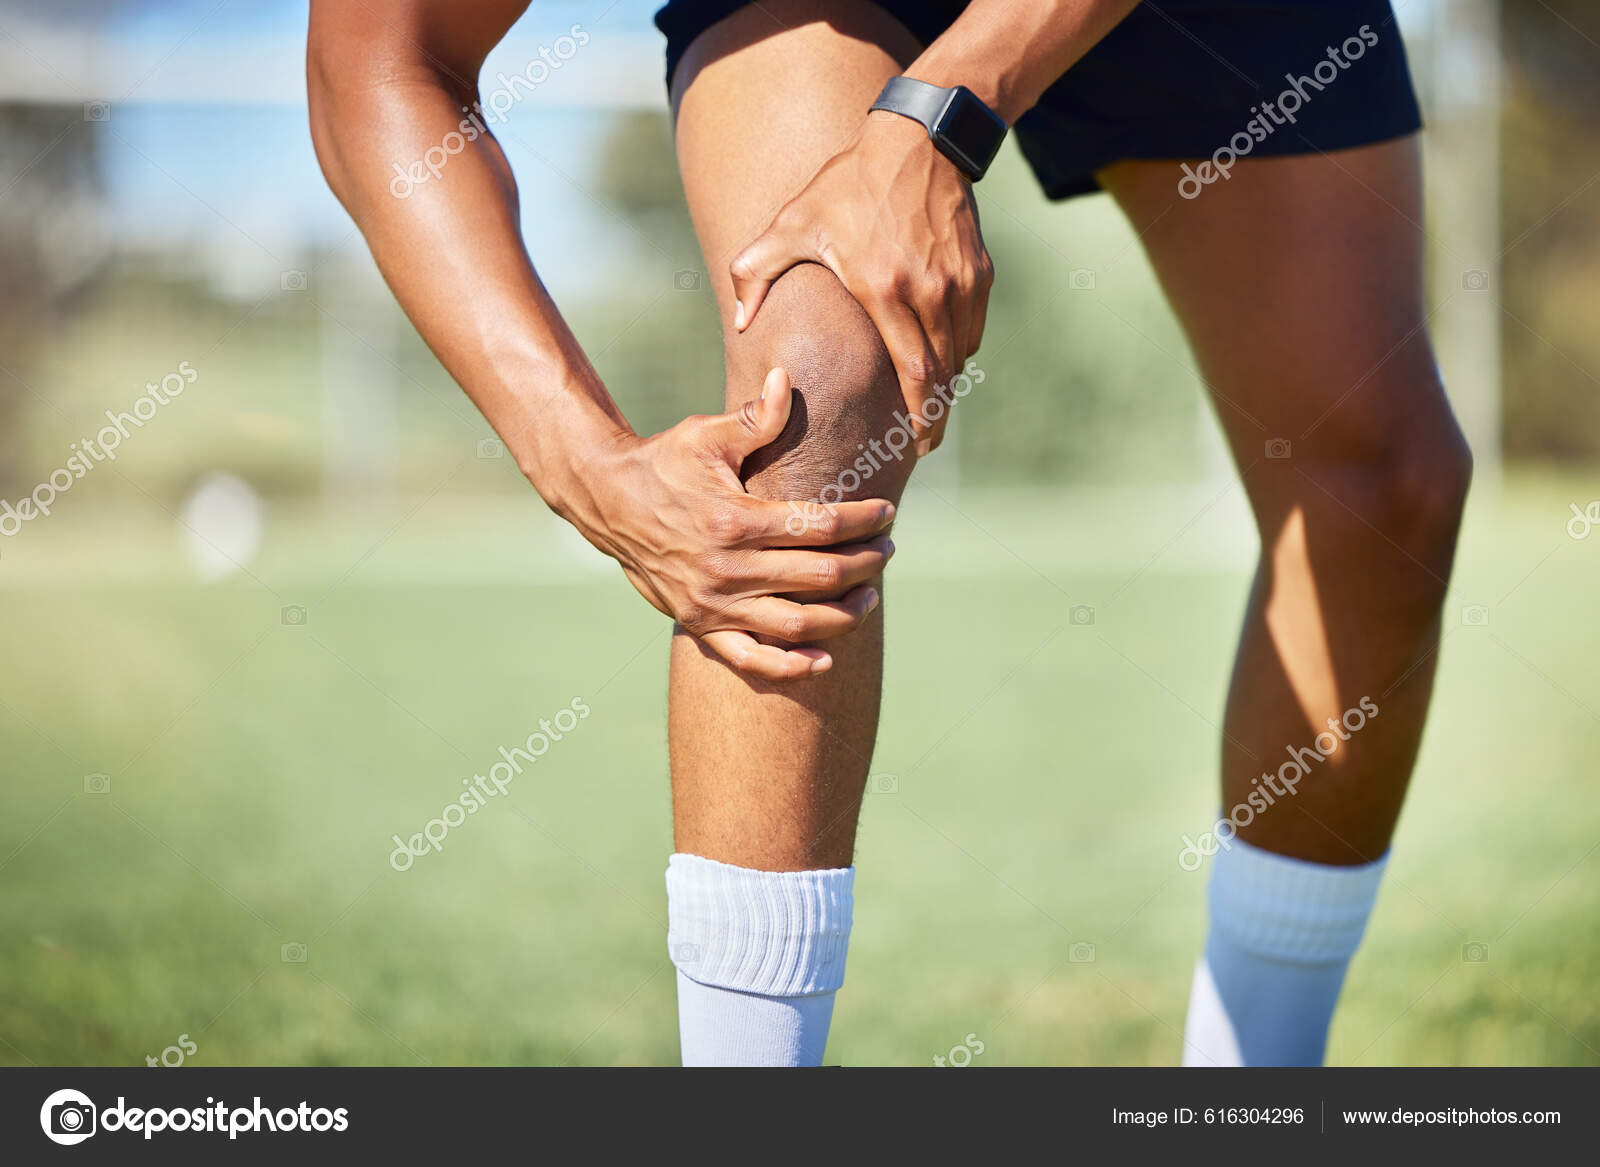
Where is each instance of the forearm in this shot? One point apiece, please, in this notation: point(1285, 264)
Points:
point(1009, 52)
point(452, 251)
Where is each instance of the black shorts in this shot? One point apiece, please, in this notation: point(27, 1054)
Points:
point(1186, 79)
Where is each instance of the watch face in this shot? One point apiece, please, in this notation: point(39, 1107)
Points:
point(967, 128)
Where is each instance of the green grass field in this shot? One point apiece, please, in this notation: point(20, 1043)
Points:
point(1035, 777)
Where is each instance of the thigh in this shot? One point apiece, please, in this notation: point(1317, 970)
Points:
point(1299, 283)
point(761, 100)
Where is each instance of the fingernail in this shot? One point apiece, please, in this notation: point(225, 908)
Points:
point(924, 448)
point(873, 599)
point(888, 513)
point(888, 549)
point(738, 315)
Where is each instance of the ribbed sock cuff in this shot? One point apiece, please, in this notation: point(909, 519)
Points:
point(1290, 909)
point(782, 933)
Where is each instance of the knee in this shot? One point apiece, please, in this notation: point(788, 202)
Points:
point(1415, 492)
point(1423, 492)
point(1392, 490)
point(844, 439)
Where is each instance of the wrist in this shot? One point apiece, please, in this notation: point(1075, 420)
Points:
point(565, 447)
point(570, 474)
point(890, 124)
point(994, 88)
point(892, 131)
point(957, 123)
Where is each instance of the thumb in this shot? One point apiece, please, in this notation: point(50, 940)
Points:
point(755, 268)
point(741, 432)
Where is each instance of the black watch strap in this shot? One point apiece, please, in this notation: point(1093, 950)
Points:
point(961, 126)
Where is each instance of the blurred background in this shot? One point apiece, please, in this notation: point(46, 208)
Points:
point(311, 596)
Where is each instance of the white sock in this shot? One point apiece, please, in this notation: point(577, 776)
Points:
point(759, 955)
point(1282, 934)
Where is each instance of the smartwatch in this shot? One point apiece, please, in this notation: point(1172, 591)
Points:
point(961, 127)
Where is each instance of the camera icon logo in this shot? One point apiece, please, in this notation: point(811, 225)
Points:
point(1278, 449)
point(885, 784)
point(293, 953)
point(686, 953)
point(1474, 952)
point(68, 1117)
point(1475, 280)
point(294, 616)
point(97, 111)
point(686, 280)
point(1080, 614)
point(97, 784)
point(292, 281)
point(1081, 953)
point(490, 448)
point(1081, 279)
point(1475, 616)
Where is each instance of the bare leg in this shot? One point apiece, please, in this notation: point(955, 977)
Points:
point(767, 780)
point(1299, 284)
point(770, 777)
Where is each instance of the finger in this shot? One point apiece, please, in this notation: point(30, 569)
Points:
point(773, 252)
point(795, 623)
point(914, 361)
point(767, 661)
point(939, 326)
point(818, 571)
point(935, 437)
point(811, 524)
point(979, 308)
point(948, 331)
point(980, 317)
point(961, 309)
point(741, 432)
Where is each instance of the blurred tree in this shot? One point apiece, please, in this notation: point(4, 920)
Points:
point(637, 171)
point(53, 243)
point(656, 340)
point(1551, 228)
